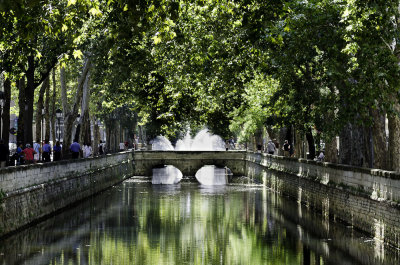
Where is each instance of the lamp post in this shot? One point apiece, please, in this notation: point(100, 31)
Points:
point(59, 115)
point(1, 113)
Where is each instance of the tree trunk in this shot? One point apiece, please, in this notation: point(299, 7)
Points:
point(85, 137)
point(70, 114)
point(282, 138)
point(311, 144)
point(47, 111)
point(353, 146)
point(331, 151)
point(258, 139)
point(394, 139)
point(108, 138)
point(111, 129)
point(21, 105)
point(96, 137)
point(53, 109)
point(298, 145)
point(39, 116)
point(29, 97)
point(379, 140)
point(6, 111)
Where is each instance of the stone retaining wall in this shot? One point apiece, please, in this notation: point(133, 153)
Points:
point(368, 199)
point(31, 192)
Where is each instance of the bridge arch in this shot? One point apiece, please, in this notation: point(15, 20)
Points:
point(189, 162)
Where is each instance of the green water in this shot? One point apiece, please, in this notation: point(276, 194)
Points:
point(139, 223)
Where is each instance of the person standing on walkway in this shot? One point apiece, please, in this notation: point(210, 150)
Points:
point(4, 153)
point(75, 148)
point(19, 156)
point(271, 147)
point(36, 147)
point(87, 150)
point(28, 153)
point(286, 148)
point(46, 152)
point(121, 146)
point(57, 152)
point(276, 143)
point(101, 149)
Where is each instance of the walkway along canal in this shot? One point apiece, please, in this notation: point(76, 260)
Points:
point(367, 199)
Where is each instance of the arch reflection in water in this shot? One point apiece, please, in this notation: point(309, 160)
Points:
point(213, 175)
point(166, 174)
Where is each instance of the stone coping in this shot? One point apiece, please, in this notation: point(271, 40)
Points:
point(10, 169)
point(372, 171)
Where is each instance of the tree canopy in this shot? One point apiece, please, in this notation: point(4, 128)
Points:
point(228, 65)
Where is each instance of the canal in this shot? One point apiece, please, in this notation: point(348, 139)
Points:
point(136, 222)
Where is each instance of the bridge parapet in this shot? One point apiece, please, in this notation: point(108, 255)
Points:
point(189, 162)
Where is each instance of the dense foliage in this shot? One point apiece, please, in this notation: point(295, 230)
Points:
point(228, 65)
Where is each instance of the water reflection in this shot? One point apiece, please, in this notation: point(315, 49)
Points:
point(140, 223)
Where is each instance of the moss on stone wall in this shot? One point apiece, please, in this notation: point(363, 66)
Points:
point(2, 195)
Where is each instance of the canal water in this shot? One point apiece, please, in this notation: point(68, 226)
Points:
point(187, 223)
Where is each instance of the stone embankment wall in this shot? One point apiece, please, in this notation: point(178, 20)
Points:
point(367, 199)
point(31, 192)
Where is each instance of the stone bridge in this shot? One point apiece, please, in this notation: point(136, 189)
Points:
point(189, 162)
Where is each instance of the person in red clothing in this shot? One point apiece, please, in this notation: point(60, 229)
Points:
point(28, 154)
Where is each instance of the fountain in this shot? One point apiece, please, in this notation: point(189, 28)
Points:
point(162, 144)
point(203, 141)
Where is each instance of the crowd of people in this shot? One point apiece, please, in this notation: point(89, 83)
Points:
point(44, 152)
point(288, 149)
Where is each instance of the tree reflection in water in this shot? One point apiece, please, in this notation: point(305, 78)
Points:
point(140, 223)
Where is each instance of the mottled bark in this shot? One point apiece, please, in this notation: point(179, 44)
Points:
point(352, 146)
point(71, 113)
point(394, 139)
point(21, 106)
point(29, 97)
point(39, 106)
point(282, 138)
point(331, 151)
point(368, 148)
point(379, 140)
point(108, 137)
point(112, 132)
point(53, 108)
point(311, 144)
point(6, 111)
point(258, 137)
point(96, 137)
point(85, 137)
point(47, 111)
point(298, 144)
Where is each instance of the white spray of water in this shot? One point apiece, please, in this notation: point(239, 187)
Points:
point(162, 143)
point(166, 175)
point(211, 175)
point(203, 141)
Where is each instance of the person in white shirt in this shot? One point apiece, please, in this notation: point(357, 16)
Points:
point(121, 146)
point(37, 148)
point(321, 156)
point(87, 150)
